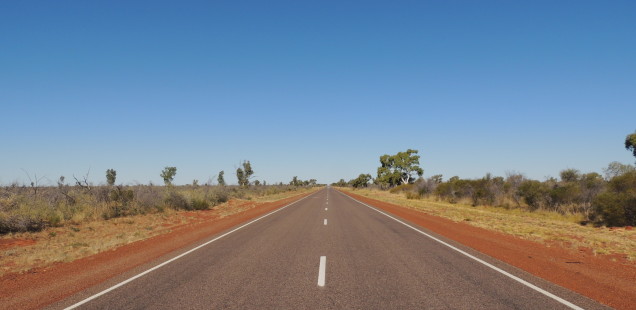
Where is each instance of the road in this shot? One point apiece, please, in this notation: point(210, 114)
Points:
point(327, 251)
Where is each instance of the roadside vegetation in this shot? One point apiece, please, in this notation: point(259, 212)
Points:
point(40, 225)
point(34, 207)
point(21, 251)
point(572, 211)
point(602, 200)
point(547, 227)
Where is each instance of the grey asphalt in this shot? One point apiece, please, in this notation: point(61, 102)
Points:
point(373, 262)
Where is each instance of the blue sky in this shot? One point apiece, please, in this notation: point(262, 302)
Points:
point(314, 89)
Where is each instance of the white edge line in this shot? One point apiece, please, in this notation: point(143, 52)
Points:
point(120, 284)
point(524, 282)
point(321, 270)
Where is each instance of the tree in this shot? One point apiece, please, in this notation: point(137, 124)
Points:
point(361, 181)
point(399, 168)
point(341, 183)
point(243, 175)
point(617, 206)
point(167, 174)
point(534, 193)
point(630, 143)
point(570, 175)
point(221, 179)
point(247, 168)
point(513, 181)
point(615, 169)
point(240, 175)
point(438, 178)
point(111, 176)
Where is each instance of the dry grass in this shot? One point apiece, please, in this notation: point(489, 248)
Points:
point(239, 205)
point(549, 228)
point(71, 242)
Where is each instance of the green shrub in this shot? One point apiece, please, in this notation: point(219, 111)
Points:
point(199, 204)
point(123, 196)
point(534, 193)
point(564, 194)
point(617, 206)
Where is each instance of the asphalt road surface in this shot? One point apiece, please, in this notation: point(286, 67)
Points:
point(327, 251)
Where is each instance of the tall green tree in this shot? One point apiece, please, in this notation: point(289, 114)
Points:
point(400, 168)
point(244, 174)
point(167, 174)
point(240, 176)
point(220, 179)
point(630, 143)
point(111, 176)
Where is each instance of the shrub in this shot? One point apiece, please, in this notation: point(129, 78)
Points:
point(617, 206)
point(147, 197)
point(20, 223)
point(564, 194)
point(176, 201)
point(200, 204)
point(402, 188)
point(123, 196)
point(221, 195)
point(534, 193)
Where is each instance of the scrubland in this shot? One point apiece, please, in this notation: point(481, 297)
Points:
point(552, 228)
point(56, 224)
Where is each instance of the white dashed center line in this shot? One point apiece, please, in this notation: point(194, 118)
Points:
point(321, 270)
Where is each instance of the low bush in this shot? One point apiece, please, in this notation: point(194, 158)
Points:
point(20, 223)
point(176, 201)
point(534, 193)
point(617, 206)
point(24, 209)
point(199, 204)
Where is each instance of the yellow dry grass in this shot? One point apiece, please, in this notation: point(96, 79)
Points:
point(549, 228)
point(68, 243)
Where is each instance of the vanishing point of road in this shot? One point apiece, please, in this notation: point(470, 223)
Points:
point(327, 251)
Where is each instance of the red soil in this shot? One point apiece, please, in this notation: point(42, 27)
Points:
point(43, 286)
point(11, 243)
point(597, 277)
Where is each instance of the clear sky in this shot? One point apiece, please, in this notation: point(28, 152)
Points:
point(314, 89)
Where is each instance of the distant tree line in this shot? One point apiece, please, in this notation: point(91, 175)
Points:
point(608, 199)
point(34, 207)
point(298, 182)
